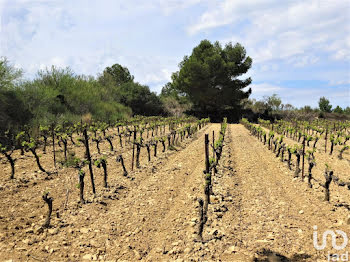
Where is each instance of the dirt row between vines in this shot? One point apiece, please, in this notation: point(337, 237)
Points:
point(258, 210)
point(341, 168)
point(277, 212)
point(72, 234)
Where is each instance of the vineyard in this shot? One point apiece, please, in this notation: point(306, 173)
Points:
point(307, 143)
point(173, 189)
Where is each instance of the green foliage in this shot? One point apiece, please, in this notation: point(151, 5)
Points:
point(59, 96)
point(212, 161)
point(346, 147)
point(13, 112)
point(269, 105)
point(20, 137)
point(280, 139)
point(207, 177)
point(119, 86)
point(31, 144)
point(310, 152)
point(75, 162)
point(208, 77)
point(218, 143)
point(324, 105)
point(9, 75)
point(307, 109)
point(347, 110)
point(72, 160)
point(297, 149)
point(100, 161)
point(172, 148)
point(332, 138)
point(175, 103)
point(116, 74)
point(44, 129)
point(139, 98)
point(273, 102)
point(338, 110)
point(258, 107)
point(139, 141)
point(173, 106)
point(291, 149)
point(3, 149)
point(67, 97)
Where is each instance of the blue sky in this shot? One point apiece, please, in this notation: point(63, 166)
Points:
point(300, 48)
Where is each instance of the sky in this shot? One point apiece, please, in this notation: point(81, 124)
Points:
point(300, 48)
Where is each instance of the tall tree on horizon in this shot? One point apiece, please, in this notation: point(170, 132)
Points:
point(116, 73)
point(209, 77)
point(324, 105)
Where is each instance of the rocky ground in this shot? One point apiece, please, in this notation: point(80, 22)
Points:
point(259, 212)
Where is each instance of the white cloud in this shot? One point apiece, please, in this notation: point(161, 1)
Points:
point(227, 12)
point(288, 40)
point(163, 76)
point(264, 88)
point(303, 60)
point(301, 95)
point(271, 30)
point(170, 6)
point(157, 88)
point(342, 54)
point(340, 82)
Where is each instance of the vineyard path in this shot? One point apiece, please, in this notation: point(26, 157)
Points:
point(274, 211)
point(258, 210)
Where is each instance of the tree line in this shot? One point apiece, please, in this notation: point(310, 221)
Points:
point(205, 85)
point(209, 83)
point(272, 107)
point(58, 95)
